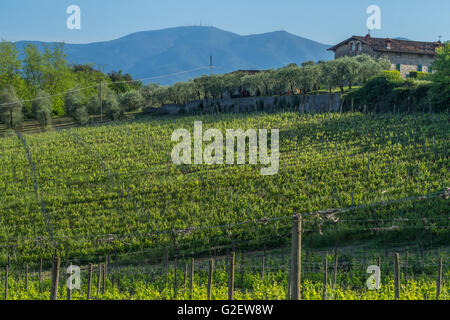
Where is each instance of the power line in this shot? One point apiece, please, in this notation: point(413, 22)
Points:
point(112, 83)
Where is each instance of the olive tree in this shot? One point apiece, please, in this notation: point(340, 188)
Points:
point(42, 108)
point(75, 107)
point(131, 100)
point(10, 108)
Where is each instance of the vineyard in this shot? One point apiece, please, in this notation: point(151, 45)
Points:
point(367, 185)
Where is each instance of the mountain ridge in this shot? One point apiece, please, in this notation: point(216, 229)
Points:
point(155, 53)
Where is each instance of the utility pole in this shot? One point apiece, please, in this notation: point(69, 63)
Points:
point(210, 65)
point(101, 103)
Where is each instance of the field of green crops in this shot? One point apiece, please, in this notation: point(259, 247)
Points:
point(114, 189)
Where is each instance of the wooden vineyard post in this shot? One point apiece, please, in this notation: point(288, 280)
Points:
point(296, 255)
point(40, 274)
point(55, 278)
point(26, 277)
point(186, 267)
point(6, 279)
point(166, 266)
point(175, 280)
point(104, 279)
point(231, 277)
point(106, 266)
point(282, 256)
point(397, 276)
point(210, 278)
point(99, 277)
point(69, 291)
point(439, 279)
point(406, 266)
point(379, 262)
point(191, 280)
point(305, 268)
point(289, 285)
point(242, 266)
point(335, 268)
point(325, 270)
point(263, 261)
point(364, 257)
point(89, 282)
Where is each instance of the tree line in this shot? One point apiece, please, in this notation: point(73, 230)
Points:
point(43, 85)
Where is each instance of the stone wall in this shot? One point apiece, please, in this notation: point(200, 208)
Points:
point(309, 103)
point(408, 62)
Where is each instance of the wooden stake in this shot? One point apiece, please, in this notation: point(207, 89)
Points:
point(89, 281)
point(69, 291)
point(406, 266)
point(99, 277)
point(26, 277)
point(439, 279)
point(191, 280)
point(263, 261)
point(242, 266)
point(104, 279)
point(186, 267)
point(6, 279)
point(325, 270)
point(397, 276)
point(55, 278)
point(166, 266)
point(335, 267)
point(231, 277)
point(210, 278)
point(296, 263)
point(40, 274)
point(175, 284)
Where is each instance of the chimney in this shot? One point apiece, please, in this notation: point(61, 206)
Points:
point(388, 43)
point(367, 37)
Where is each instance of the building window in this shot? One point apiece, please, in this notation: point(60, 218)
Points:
point(419, 68)
point(398, 66)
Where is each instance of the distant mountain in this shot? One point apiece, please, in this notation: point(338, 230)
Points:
point(157, 53)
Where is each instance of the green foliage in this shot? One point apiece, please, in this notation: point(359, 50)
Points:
point(93, 105)
point(9, 63)
point(76, 108)
point(121, 83)
point(111, 105)
point(119, 180)
point(10, 108)
point(440, 91)
point(419, 75)
point(42, 108)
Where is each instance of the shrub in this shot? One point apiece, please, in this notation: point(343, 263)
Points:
point(377, 93)
point(10, 108)
point(93, 105)
point(419, 75)
point(440, 91)
point(75, 108)
point(42, 108)
point(131, 100)
point(111, 105)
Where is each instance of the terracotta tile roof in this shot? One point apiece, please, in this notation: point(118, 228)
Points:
point(403, 46)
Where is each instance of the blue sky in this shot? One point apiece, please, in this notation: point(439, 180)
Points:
point(326, 21)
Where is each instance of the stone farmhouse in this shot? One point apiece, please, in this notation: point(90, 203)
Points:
point(404, 55)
